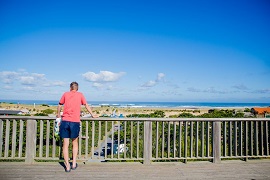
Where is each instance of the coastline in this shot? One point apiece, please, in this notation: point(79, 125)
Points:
point(110, 109)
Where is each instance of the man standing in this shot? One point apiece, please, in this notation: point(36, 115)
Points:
point(70, 125)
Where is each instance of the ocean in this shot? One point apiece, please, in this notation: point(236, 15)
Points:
point(150, 104)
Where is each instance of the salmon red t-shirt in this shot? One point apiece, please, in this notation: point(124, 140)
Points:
point(72, 101)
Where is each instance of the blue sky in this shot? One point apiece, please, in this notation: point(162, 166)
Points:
point(186, 51)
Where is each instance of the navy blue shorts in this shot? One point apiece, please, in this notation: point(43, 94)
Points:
point(69, 129)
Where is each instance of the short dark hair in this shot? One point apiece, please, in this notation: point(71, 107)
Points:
point(74, 85)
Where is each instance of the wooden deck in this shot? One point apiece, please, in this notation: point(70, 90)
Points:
point(233, 169)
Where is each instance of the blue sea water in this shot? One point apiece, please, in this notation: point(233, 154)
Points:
point(149, 104)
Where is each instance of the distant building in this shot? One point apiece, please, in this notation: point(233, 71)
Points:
point(248, 114)
point(25, 111)
point(260, 112)
point(10, 112)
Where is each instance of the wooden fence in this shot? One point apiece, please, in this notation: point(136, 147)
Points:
point(146, 140)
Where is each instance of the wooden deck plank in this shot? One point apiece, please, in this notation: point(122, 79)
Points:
point(253, 169)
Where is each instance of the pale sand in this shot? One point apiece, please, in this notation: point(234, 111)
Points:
point(109, 110)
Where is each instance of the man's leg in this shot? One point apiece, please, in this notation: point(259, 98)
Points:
point(65, 153)
point(74, 151)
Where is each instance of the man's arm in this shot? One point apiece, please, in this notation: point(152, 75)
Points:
point(59, 110)
point(90, 111)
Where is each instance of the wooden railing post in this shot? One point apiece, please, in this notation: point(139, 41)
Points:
point(147, 142)
point(216, 142)
point(31, 131)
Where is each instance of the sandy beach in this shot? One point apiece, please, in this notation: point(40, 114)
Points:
point(108, 110)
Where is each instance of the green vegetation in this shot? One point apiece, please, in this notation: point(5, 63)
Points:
point(45, 112)
point(212, 114)
point(223, 114)
point(48, 111)
point(156, 114)
point(247, 110)
point(45, 105)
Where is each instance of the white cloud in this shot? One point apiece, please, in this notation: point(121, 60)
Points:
point(152, 83)
point(214, 91)
point(58, 83)
point(55, 83)
point(101, 86)
point(240, 87)
point(23, 77)
point(262, 91)
point(211, 90)
point(8, 77)
point(103, 76)
point(28, 88)
point(7, 87)
point(160, 76)
point(25, 81)
point(192, 89)
point(149, 84)
point(32, 79)
point(98, 85)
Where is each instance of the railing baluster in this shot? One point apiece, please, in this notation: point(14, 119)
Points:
point(247, 140)
point(267, 129)
point(262, 154)
point(207, 139)
point(180, 138)
point(99, 137)
point(251, 138)
point(235, 138)
point(256, 138)
point(106, 139)
point(1, 137)
point(241, 138)
point(86, 139)
point(112, 143)
point(80, 142)
point(131, 140)
point(118, 141)
point(191, 139)
point(20, 139)
point(138, 136)
point(197, 140)
point(48, 139)
point(7, 138)
point(202, 139)
point(93, 138)
point(125, 139)
point(54, 143)
point(14, 131)
point(169, 141)
point(230, 136)
point(41, 127)
point(174, 139)
point(157, 135)
point(162, 147)
point(224, 139)
point(186, 135)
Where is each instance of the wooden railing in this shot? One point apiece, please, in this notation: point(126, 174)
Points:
point(146, 140)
